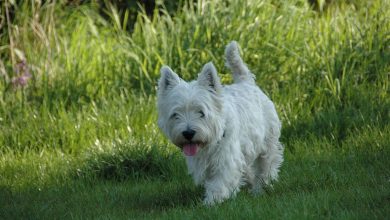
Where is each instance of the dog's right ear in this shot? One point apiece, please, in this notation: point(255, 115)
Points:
point(209, 79)
point(168, 79)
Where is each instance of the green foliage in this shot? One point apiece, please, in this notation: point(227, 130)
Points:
point(81, 132)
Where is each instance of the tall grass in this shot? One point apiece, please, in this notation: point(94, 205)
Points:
point(308, 63)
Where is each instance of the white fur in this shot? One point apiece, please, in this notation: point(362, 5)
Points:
point(237, 127)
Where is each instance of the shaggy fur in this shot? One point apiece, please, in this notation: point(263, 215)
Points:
point(228, 134)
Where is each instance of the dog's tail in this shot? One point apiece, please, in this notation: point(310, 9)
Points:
point(236, 64)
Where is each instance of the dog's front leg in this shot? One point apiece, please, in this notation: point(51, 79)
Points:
point(216, 192)
point(223, 184)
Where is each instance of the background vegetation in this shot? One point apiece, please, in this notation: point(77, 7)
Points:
point(78, 134)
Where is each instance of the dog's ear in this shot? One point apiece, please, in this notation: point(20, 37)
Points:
point(209, 78)
point(168, 79)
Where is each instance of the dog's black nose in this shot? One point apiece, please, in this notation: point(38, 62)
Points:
point(188, 134)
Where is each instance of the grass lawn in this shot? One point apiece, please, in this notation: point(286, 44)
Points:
point(78, 131)
point(316, 183)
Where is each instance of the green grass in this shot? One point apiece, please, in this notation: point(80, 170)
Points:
point(81, 140)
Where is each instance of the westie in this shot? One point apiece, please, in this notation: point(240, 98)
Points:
point(228, 134)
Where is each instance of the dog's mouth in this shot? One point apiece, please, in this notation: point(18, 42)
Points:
point(190, 149)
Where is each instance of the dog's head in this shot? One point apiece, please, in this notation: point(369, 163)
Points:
point(190, 113)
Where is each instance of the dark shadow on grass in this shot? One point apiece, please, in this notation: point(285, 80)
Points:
point(123, 164)
point(336, 122)
point(168, 198)
point(97, 198)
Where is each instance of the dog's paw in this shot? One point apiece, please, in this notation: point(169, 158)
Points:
point(215, 198)
point(257, 190)
point(210, 201)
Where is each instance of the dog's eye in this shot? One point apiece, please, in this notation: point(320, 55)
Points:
point(201, 114)
point(174, 116)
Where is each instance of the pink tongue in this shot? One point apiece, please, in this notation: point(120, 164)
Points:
point(190, 149)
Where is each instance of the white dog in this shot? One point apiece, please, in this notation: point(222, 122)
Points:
point(229, 134)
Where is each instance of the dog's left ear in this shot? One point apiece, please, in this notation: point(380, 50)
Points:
point(209, 78)
point(168, 79)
